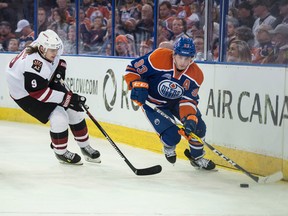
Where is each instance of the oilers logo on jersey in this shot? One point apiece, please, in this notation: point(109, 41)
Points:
point(170, 90)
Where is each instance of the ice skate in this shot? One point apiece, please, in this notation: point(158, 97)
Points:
point(90, 154)
point(170, 153)
point(201, 163)
point(69, 158)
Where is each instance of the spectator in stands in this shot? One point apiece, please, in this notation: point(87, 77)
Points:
point(194, 18)
point(178, 29)
point(245, 14)
point(108, 50)
point(215, 30)
point(5, 34)
point(130, 9)
point(59, 24)
point(145, 47)
point(166, 14)
point(184, 10)
point(98, 31)
point(129, 26)
point(215, 14)
point(239, 51)
point(42, 20)
point(26, 34)
point(199, 46)
point(283, 12)
point(195, 9)
point(265, 48)
point(106, 47)
point(261, 11)
point(13, 45)
point(70, 43)
point(245, 34)
point(144, 28)
point(280, 40)
point(8, 11)
point(96, 8)
point(69, 11)
point(122, 48)
point(84, 30)
point(194, 30)
point(233, 12)
point(131, 45)
point(232, 24)
point(163, 34)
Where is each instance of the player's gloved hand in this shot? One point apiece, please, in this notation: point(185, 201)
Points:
point(139, 92)
point(189, 124)
point(73, 101)
point(60, 71)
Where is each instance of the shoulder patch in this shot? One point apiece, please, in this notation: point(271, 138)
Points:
point(37, 65)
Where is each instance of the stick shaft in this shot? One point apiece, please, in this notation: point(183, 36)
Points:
point(146, 171)
point(220, 154)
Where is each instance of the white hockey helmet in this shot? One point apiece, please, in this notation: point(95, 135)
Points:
point(50, 40)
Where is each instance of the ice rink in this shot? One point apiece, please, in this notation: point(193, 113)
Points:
point(33, 182)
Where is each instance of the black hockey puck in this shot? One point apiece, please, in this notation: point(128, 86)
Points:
point(244, 185)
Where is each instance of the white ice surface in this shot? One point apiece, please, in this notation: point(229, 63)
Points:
point(33, 182)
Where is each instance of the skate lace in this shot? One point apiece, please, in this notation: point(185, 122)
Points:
point(202, 162)
point(69, 155)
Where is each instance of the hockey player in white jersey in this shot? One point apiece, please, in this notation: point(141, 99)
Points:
point(33, 85)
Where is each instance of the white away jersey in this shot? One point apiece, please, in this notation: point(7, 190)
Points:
point(30, 75)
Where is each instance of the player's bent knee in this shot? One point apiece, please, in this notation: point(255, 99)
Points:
point(74, 116)
point(170, 136)
point(58, 120)
point(201, 129)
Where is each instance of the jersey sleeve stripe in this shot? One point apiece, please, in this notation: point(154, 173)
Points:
point(40, 94)
point(45, 98)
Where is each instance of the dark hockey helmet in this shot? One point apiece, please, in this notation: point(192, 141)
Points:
point(185, 47)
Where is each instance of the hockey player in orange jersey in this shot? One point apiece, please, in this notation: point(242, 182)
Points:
point(170, 79)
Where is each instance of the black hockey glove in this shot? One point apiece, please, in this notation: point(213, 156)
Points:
point(73, 101)
point(60, 71)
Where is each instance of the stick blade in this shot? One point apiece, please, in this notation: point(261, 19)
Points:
point(148, 171)
point(271, 178)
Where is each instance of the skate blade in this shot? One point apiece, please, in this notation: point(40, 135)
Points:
point(77, 164)
point(202, 169)
point(205, 170)
point(91, 160)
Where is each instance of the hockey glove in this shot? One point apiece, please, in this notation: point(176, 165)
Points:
point(60, 71)
point(139, 92)
point(189, 124)
point(73, 101)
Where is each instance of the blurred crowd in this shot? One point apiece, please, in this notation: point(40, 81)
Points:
point(257, 30)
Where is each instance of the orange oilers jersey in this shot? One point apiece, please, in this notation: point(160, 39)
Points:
point(167, 87)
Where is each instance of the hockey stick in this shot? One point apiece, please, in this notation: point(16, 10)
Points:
point(146, 171)
point(259, 179)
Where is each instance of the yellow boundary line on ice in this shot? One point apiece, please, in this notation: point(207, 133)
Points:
point(255, 163)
